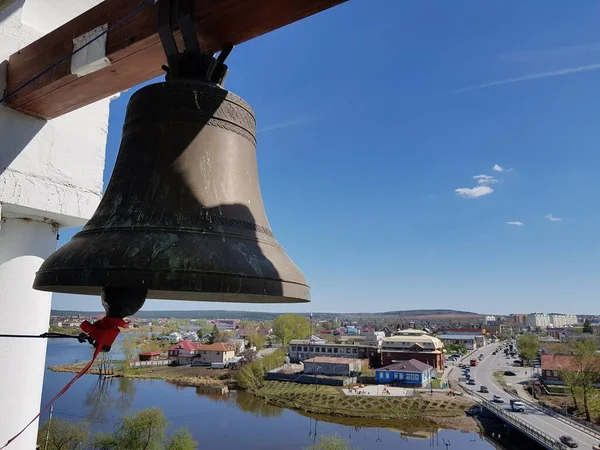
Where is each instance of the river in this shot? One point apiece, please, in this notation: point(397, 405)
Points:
point(223, 421)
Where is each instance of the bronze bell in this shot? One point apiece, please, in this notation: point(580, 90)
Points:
point(182, 217)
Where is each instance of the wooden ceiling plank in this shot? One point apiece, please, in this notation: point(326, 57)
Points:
point(134, 48)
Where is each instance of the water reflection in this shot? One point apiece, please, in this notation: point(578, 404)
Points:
point(108, 393)
point(98, 400)
point(256, 406)
point(126, 389)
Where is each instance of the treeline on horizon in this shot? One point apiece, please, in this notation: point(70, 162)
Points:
point(262, 316)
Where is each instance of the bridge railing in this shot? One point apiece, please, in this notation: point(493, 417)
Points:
point(582, 425)
point(535, 433)
point(523, 426)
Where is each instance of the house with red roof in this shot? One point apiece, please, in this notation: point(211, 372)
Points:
point(183, 352)
point(187, 352)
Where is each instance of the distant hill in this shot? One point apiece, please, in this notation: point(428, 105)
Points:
point(429, 312)
point(260, 315)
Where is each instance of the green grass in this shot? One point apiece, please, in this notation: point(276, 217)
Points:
point(499, 376)
point(557, 389)
point(436, 384)
point(330, 400)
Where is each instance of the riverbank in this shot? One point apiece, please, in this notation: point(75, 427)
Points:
point(182, 375)
point(439, 409)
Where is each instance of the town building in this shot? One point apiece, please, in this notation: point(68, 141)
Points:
point(373, 336)
point(175, 336)
point(543, 320)
point(563, 320)
point(303, 349)
point(413, 344)
point(187, 352)
point(149, 356)
point(490, 319)
point(329, 366)
point(470, 341)
point(412, 372)
point(183, 352)
point(552, 365)
point(518, 319)
point(226, 324)
point(538, 320)
point(213, 353)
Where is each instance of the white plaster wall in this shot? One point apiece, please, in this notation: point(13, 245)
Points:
point(50, 171)
point(50, 168)
point(24, 244)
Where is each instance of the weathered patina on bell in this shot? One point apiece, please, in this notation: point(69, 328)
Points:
point(182, 217)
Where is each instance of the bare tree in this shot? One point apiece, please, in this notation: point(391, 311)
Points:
point(581, 373)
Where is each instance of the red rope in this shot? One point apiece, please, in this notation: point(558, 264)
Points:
point(104, 332)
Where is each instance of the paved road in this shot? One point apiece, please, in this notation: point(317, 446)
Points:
point(483, 375)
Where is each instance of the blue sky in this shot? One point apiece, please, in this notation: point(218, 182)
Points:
point(374, 120)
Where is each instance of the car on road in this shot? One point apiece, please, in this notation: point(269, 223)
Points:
point(569, 441)
point(509, 373)
point(471, 382)
point(498, 399)
point(517, 406)
point(484, 389)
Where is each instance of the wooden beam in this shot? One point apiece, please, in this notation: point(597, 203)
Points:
point(134, 48)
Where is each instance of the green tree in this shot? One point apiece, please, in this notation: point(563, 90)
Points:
point(143, 431)
point(129, 349)
point(587, 326)
point(217, 335)
point(457, 348)
point(251, 376)
point(291, 326)
point(182, 440)
point(528, 346)
point(63, 435)
point(258, 340)
point(333, 442)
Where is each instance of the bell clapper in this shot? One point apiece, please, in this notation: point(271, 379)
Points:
point(122, 302)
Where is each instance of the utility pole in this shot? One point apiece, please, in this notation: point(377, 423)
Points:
point(48, 428)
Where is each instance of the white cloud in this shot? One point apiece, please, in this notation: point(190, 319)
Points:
point(551, 218)
point(516, 223)
point(475, 192)
point(498, 168)
point(485, 179)
point(287, 124)
point(533, 76)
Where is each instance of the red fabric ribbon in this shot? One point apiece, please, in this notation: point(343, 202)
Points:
point(103, 332)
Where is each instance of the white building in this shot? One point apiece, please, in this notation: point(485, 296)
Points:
point(490, 319)
point(538, 320)
point(543, 320)
point(374, 336)
point(470, 341)
point(175, 337)
point(562, 320)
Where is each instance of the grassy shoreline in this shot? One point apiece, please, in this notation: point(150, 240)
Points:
point(436, 409)
point(185, 376)
point(328, 400)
